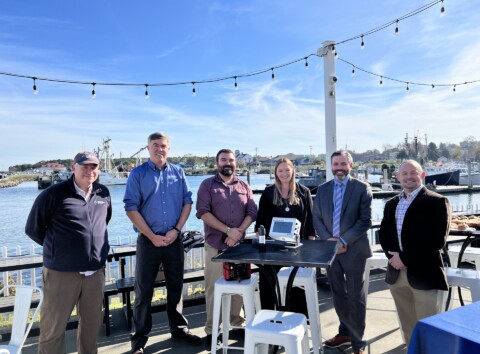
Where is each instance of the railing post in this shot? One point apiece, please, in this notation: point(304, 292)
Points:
point(33, 280)
point(19, 272)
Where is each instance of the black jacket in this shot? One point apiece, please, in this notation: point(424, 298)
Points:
point(73, 232)
point(424, 233)
point(302, 212)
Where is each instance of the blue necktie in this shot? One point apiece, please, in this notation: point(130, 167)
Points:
point(337, 209)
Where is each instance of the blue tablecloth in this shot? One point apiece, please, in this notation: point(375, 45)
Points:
point(452, 332)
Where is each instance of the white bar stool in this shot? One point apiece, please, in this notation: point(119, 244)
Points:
point(378, 260)
point(307, 279)
point(286, 329)
point(224, 289)
point(471, 254)
point(467, 278)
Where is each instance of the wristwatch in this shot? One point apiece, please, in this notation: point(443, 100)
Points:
point(228, 230)
point(175, 228)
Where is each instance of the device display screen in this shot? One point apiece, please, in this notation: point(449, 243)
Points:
point(282, 227)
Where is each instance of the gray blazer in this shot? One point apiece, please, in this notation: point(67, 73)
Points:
point(356, 217)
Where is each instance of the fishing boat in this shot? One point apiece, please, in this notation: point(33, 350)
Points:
point(440, 176)
point(316, 177)
point(469, 178)
point(110, 174)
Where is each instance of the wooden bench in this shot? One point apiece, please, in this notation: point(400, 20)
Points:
point(125, 286)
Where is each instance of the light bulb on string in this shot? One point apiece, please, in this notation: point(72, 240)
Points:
point(442, 10)
point(273, 74)
point(94, 95)
point(381, 80)
point(396, 28)
point(433, 86)
point(454, 88)
point(235, 84)
point(194, 92)
point(408, 88)
point(353, 70)
point(35, 91)
point(362, 45)
point(147, 95)
point(306, 63)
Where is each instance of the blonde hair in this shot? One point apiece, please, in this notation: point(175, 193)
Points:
point(292, 194)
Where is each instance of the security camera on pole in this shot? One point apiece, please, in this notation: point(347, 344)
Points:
point(330, 81)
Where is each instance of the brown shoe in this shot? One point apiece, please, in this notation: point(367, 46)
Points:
point(338, 341)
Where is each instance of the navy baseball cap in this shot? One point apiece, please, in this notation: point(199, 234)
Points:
point(86, 158)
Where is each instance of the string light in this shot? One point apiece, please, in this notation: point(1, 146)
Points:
point(332, 47)
point(35, 91)
point(147, 96)
point(410, 83)
point(362, 45)
point(454, 88)
point(408, 88)
point(353, 70)
point(442, 10)
point(235, 84)
point(194, 92)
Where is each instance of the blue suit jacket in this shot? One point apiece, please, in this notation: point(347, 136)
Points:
point(355, 219)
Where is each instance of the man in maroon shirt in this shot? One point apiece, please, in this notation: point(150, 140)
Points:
point(226, 206)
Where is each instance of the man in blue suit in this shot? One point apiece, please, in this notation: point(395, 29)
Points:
point(342, 212)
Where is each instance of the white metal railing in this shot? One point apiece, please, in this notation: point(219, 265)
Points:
point(194, 259)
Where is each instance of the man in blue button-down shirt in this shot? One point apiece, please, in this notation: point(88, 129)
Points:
point(158, 202)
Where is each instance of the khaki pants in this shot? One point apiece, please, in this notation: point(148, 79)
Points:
point(412, 304)
point(213, 271)
point(62, 291)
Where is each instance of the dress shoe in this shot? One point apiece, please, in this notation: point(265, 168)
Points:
point(338, 341)
point(208, 340)
point(184, 335)
point(237, 333)
point(358, 351)
point(137, 351)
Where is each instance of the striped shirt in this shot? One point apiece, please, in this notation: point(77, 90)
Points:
point(402, 207)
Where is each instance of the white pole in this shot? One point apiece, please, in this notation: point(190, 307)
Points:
point(330, 81)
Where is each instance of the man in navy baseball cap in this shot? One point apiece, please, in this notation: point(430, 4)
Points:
point(86, 158)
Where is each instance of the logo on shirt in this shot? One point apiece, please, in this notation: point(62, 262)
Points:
point(172, 179)
point(99, 202)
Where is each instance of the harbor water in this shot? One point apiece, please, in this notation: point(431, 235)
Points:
point(15, 204)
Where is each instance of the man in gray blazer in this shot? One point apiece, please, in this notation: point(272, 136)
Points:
point(342, 212)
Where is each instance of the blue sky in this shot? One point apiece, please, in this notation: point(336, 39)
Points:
point(174, 41)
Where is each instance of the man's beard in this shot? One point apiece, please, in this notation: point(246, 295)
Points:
point(227, 171)
point(345, 174)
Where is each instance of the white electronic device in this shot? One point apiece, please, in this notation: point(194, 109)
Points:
point(286, 229)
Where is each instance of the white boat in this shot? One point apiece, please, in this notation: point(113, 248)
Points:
point(474, 177)
point(109, 175)
point(112, 178)
point(315, 178)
